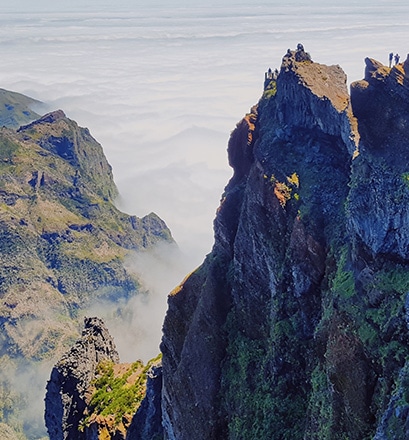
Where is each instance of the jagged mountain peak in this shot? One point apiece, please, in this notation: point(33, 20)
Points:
point(324, 81)
point(73, 374)
point(312, 89)
point(61, 232)
point(295, 326)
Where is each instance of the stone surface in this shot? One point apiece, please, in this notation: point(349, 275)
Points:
point(66, 397)
point(147, 422)
point(295, 326)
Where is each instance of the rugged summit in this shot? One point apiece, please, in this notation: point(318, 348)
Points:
point(91, 396)
point(295, 326)
point(72, 376)
point(62, 241)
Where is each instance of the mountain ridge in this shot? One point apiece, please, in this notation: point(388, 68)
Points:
point(64, 246)
point(294, 326)
point(16, 109)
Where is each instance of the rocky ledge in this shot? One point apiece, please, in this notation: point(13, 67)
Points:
point(295, 326)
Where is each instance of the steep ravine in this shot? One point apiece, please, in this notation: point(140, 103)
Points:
point(295, 326)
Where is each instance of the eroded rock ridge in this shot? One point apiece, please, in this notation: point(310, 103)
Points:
point(295, 326)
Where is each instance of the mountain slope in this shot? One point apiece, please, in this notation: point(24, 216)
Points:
point(16, 109)
point(63, 241)
point(64, 246)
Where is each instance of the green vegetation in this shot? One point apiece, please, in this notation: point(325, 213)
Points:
point(343, 283)
point(15, 109)
point(260, 403)
point(405, 178)
point(320, 409)
point(118, 392)
point(270, 90)
point(8, 150)
point(63, 243)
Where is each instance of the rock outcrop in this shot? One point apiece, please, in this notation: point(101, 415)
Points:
point(295, 326)
point(91, 396)
point(71, 378)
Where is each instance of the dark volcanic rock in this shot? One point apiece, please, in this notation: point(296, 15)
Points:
point(379, 195)
point(295, 326)
point(147, 422)
point(291, 154)
point(65, 399)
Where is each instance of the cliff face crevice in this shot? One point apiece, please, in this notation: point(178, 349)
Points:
point(295, 325)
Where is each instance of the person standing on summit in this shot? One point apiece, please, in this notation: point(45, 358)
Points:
point(397, 57)
point(390, 59)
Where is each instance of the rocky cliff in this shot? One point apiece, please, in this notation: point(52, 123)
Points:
point(295, 326)
point(91, 396)
point(66, 398)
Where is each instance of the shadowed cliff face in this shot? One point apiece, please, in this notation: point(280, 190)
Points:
point(66, 398)
point(294, 326)
point(379, 195)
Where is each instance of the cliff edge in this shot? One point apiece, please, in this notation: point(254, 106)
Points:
point(295, 326)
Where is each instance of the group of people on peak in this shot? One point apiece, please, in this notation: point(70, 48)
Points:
point(271, 75)
point(392, 57)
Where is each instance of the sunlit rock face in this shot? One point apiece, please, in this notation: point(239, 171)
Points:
point(63, 243)
point(295, 324)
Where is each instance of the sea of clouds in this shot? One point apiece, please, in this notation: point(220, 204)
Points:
point(161, 85)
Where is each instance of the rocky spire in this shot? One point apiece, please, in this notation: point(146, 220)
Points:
point(295, 326)
point(65, 399)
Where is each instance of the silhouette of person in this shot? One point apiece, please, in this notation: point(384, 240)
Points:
point(390, 59)
point(397, 59)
